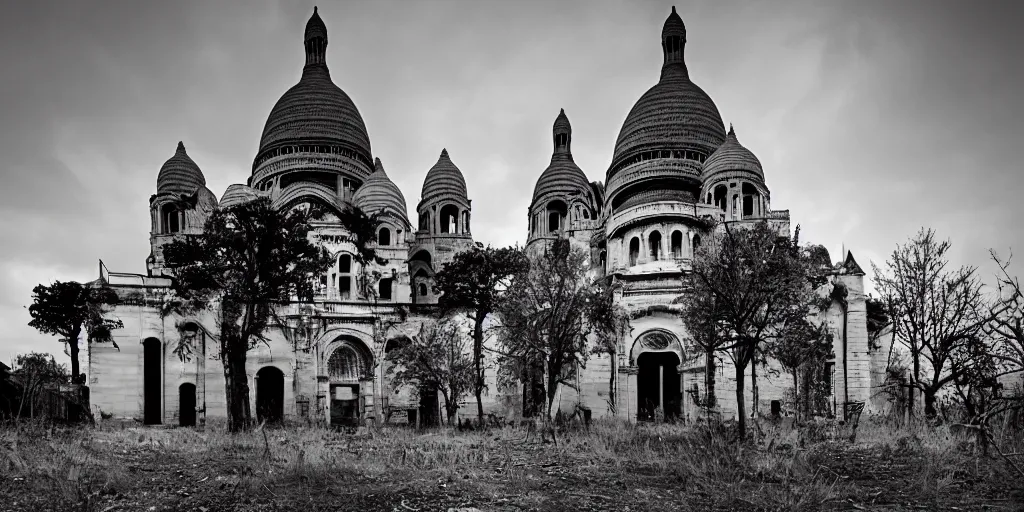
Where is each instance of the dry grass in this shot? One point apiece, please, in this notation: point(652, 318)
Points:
point(609, 465)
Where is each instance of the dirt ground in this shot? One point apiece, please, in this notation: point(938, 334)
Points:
point(156, 470)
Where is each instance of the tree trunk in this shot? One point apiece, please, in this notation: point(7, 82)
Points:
point(478, 356)
point(929, 403)
point(611, 382)
point(753, 389)
point(237, 387)
point(912, 389)
point(709, 381)
point(450, 408)
point(741, 408)
point(73, 352)
point(796, 397)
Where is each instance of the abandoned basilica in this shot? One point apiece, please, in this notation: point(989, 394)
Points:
point(674, 166)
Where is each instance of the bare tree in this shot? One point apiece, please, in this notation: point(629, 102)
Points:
point(438, 357)
point(33, 373)
point(757, 281)
point(937, 314)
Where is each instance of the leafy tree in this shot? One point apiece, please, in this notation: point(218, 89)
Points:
point(477, 281)
point(65, 309)
point(938, 314)
point(610, 322)
point(438, 357)
point(544, 318)
point(250, 258)
point(702, 316)
point(758, 283)
point(34, 372)
point(802, 348)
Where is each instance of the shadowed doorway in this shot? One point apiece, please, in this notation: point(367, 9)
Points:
point(151, 381)
point(269, 395)
point(187, 405)
point(657, 385)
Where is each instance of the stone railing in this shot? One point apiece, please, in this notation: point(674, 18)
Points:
point(658, 168)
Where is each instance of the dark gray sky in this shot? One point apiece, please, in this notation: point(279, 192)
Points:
point(871, 119)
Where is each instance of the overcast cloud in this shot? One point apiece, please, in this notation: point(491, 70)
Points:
point(871, 119)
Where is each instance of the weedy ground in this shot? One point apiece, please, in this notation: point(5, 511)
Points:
point(608, 466)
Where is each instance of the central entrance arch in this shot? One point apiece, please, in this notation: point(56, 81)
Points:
point(269, 395)
point(657, 354)
point(349, 363)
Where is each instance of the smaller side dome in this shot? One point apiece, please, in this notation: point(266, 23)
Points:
point(179, 175)
point(239, 194)
point(732, 158)
point(379, 192)
point(562, 175)
point(444, 179)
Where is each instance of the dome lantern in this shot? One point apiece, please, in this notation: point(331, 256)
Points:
point(562, 133)
point(444, 181)
point(315, 40)
point(673, 40)
point(732, 159)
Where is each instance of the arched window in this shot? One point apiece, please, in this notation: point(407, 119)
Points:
point(384, 236)
point(677, 244)
point(750, 197)
point(423, 289)
point(425, 221)
point(654, 245)
point(450, 219)
point(603, 258)
point(347, 363)
point(345, 276)
point(696, 243)
point(172, 219)
point(720, 194)
point(634, 250)
point(557, 211)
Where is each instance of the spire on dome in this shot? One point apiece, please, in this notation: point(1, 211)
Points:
point(732, 132)
point(673, 39)
point(562, 133)
point(444, 152)
point(315, 40)
point(378, 166)
point(181, 147)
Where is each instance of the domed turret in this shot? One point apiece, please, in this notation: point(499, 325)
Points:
point(734, 181)
point(379, 193)
point(315, 116)
point(670, 130)
point(731, 159)
point(444, 180)
point(562, 176)
point(179, 175)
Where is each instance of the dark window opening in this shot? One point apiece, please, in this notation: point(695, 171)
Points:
point(345, 287)
point(634, 251)
point(720, 194)
point(384, 289)
point(187, 405)
point(172, 220)
point(449, 219)
point(345, 263)
point(423, 290)
point(384, 236)
point(677, 244)
point(696, 243)
point(654, 245)
point(269, 395)
point(152, 381)
point(326, 179)
point(425, 221)
point(748, 205)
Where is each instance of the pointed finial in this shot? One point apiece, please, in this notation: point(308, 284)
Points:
point(444, 152)
point(181, 147)
point(314, 9)
point(561, 111)
point(376, 163)
point(732, 132)
point(673, 9)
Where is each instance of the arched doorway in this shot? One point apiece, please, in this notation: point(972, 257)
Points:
point(269, 395)
point(187, 405)
point(658, 387)
point(151, 381)
point(348, 364)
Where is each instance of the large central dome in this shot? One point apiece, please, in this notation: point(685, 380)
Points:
point(675, 119)
point(315, 112)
